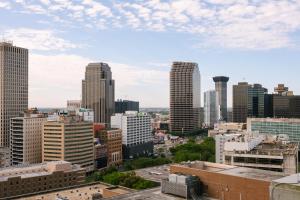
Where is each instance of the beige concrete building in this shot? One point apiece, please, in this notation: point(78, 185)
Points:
point(98, 91)
point(13, 86)
point(69, 139)
point(16, 181)
point(185, 97)
point(26, 139)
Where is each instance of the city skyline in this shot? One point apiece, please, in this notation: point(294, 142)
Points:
point(144, 47)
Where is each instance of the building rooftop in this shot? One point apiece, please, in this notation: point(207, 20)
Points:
point(43, 169)
point(249, 173)
point(289, 120)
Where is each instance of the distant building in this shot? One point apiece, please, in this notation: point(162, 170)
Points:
point(4, 157)
point(227, 182)
point(136, 132)
point(276, 126)
point(30, 179)
point(185, 97)
point(98, 91)
point(248, 101)
point(13, 86)
point(221, 97)
point(26, 139)
point(227, 128)
point(86, 114)
point(261, 152)
point(70, 139)
point(210, 117)
point(121, 106)
point(73, 105)
point(113, 141)
point(229, 115)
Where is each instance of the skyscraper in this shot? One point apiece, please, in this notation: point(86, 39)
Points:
point(210, 108)
point(221, 97)
point(13, 86)
point(98, 91)
point(248, 101)
point(185, 97)
point(121, 106)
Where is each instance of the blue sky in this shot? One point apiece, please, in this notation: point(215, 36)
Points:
point(248, 40)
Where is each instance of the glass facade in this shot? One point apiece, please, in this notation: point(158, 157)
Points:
point(290, 127)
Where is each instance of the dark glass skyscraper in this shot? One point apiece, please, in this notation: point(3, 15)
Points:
point(248, 101)
point(221, 97)
point(121, 106)
point(185, 99)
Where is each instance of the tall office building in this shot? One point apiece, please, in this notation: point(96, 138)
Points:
point(71, 139)
point(221, 96)
point(210, 117)
point(248, 101)
point(185, 97)
point(98, 91)
point(13, 86)
point(137, 135)
point(121, 106)
point(26, 139)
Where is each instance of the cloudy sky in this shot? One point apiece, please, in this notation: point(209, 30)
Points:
point(247, 40)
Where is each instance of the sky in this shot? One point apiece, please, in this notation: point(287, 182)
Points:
point(248, 40)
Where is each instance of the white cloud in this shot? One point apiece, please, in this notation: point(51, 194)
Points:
point(5, 5)
point(38, 39)
point(56, 78)
point(227, 23)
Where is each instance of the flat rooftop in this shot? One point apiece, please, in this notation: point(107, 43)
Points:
point(34, 170)
point(233, 170)
point(82, 192)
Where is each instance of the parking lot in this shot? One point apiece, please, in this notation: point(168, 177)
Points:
point(154, 173)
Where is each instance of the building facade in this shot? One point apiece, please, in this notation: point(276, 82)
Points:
point(4, 157)
point(73, 105)
point(248, 101)
point(221, 96)
point(28, 179)
point(113, 141)
point(98, 91)
point(276, 126)
point(210, 117)
point(69, 139)
point(226, 182)
point(13, 86)
point(26, 139)
point(137, 135)
point(121, 106)
point(185, 97)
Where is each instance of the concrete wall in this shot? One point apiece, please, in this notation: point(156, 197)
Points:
point(227, 187)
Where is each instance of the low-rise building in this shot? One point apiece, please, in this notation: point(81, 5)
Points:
point(28, 179)
point(229, 182)
point(286, 188)
point(276, 126)
point(227, 128)
point(262, 152)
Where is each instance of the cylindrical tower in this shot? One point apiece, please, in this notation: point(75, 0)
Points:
point(221, 97)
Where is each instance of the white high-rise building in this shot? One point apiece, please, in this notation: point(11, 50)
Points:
point(210, 117)
point(26, 139)
point(13, 86)
point(136, 132)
